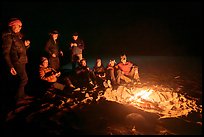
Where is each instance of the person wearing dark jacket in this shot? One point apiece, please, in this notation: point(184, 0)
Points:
point(85, 76)
point(111, 71)
point(14, 51)
point(52, 48)
point(77, 47)
point(100, 74)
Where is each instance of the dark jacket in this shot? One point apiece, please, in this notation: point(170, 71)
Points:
point(52, 47)
point(99, 71)
point(79, 48)
point(14, 49)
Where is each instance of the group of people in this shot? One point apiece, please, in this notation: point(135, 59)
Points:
point(100, 77)
point(54, 52)
point(82, 77)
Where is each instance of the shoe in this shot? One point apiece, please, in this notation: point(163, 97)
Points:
point(84, 88)
point(72, 86)
point(109, 84)
point(28, 97)
point(105, 84)
point(91, 83)
point(95, 87)
point(69, 100)
point(77, 89)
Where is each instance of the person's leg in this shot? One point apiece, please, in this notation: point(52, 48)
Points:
point(119, 73)
point(21, 72)
point(80, 57)
point(135, 74)
point(112, 76)
point(74, 61)
point(68, 82)
point(54, 63)
point(123, 77)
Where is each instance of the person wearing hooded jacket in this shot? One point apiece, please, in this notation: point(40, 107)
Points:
point(14, 52)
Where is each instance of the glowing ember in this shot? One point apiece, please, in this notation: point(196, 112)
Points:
point(143, 94)
point(156, 99)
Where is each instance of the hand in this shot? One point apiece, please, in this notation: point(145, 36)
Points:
point(58, 74)
point(61, 53)
point(27, 42)
point(73, 44)
point(54, 55)
point(13, 71)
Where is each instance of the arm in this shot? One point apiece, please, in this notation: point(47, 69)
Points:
point(52, 77)
point(27, 43)
point(130, 64)
point(6, 46)
point(82, 69)
point(80, 44)
point(47, 47)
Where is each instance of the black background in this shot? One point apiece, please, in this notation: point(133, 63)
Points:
point(112, 28)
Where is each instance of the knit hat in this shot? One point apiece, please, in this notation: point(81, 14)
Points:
point(43, 59)
point(14, 21)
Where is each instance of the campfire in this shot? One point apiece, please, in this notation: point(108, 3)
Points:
point(155, 99)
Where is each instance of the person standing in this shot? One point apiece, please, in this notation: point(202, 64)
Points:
point(77, 47)
point(52, 48)
point(14, 52)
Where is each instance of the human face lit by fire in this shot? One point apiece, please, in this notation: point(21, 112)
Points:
point(75, 37)
point(112, 63)
point(45, 63)
point(55, 36)
point(98, 62)
point(16, 28)
point(83, 63)
point(123, 60)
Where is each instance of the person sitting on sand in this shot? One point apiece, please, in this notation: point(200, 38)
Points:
point(100, 73)
point(127, 71)
point(52, 77)
point(85, 76)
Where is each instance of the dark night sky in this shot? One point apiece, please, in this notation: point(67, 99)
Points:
point(136, 28)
